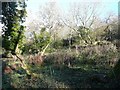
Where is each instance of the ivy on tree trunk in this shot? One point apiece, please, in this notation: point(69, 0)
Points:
point(14, 14)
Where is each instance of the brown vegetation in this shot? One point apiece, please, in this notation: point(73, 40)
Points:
point(36, 59)
point(7, 70)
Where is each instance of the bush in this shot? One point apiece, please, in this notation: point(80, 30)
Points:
point(61, 58)
point(58, 44)
point(99, 55)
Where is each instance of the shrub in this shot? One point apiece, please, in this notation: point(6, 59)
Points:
point(61, 58)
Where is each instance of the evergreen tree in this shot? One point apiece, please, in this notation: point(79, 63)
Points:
point(14, 14)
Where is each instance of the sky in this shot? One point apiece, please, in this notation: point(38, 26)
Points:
point(108, 6)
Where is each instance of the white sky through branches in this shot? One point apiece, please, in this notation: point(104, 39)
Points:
point(33, 6)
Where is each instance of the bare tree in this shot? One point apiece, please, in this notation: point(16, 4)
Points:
point(49, 16)
point(81, 14)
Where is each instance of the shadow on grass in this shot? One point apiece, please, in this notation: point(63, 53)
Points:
point(74, 77)
point(19, 79)
point(6, 82)
point(59, 76)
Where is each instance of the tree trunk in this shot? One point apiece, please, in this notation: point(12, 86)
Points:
point(16, 43)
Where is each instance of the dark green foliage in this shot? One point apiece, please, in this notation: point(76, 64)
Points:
point(29, 48)
point(117, 69)
point(38, 43)
point(58, 44)
point(42, 39)
point(69, 42)
point(111, 34)
point(13, 30)
point(83, 35)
